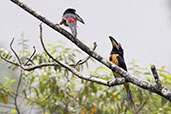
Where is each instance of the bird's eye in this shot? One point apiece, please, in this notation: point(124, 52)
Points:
point(64, 20)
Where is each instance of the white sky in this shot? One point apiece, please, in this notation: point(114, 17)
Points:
point(142, 26)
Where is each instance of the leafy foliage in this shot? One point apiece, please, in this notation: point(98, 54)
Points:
point(56, 90)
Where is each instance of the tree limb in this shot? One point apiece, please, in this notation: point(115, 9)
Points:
point(29, 68)
point(80, 62)
point(131, 78)
point(156, 76)
point(74, 71)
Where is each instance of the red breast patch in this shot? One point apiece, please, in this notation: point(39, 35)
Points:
point(70, 19)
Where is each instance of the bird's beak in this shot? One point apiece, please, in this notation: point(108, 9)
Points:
point(79, 19)
point(114, 42)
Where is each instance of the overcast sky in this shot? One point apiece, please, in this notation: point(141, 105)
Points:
point(142, 26)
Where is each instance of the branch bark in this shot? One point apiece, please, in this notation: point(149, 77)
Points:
point(74, 71)
point(164, 92)
point(17, 92)
point(156, 76)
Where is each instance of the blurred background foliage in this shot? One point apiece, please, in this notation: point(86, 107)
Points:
point(54, 90)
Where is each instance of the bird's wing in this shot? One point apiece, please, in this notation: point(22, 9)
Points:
point(121, 63)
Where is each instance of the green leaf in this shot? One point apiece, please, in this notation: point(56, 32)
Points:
point(147, 73)
point(45, 113)
point(7, 79)
point(48, 44)
point(32, 79)
point(53, 52)
point(11, 81)
point(13, 111)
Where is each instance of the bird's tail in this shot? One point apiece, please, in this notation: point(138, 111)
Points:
point(73, 28)
point(129, 95)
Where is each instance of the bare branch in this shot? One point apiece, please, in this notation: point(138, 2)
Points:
point(14, 51)
point(39, 66)
point(29, 59)
point(17, 92)
point(156, 76)
point(8, 61)
point(129, 77)
point(80, 62)
point(29, 68)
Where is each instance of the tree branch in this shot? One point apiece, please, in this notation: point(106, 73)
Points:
point(17, 92)
point(156, 76)
point(8, 61)
point(80, 62)
point(29, 68)
point(74, 71)
point(29, 59)
point(131, 78)
point(14, 51)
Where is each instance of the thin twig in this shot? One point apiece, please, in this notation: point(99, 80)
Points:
point(29, 68)
point(41, 40)
point(156, 76)
point(80, 62)
point(29, 59)
point(14, 51)
point(8, 61)
point(77, 63)
point(17, 92)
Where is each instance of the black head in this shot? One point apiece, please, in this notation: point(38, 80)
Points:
point(69, 10)
point(117, 49)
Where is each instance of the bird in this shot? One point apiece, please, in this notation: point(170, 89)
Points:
point(117, 57)
point(70, 18)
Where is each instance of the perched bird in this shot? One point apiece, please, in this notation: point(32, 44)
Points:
point(117, 57)
point(70, 18)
